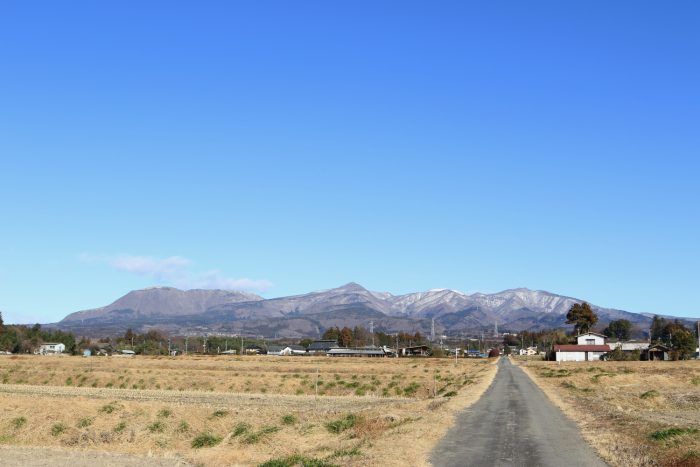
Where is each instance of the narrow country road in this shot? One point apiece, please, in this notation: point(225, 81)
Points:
point(513, 424)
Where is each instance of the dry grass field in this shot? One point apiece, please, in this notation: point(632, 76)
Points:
point(276, 411)
point(633, 413)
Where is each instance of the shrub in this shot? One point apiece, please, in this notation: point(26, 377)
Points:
point(241, 428)
point(108, 408)
point(183, 427)
point(205, 440)
point(411, 389)
point(253, 438)
point(219, 414)
point(663, 435)
point(84, 422)
point(338, 426)
point(19, 422)
point(450, 394)
point(289, 420)
point(165, 413)
point(156, 427)
point(57, 429)
point(119, 428)
point(649, 394)
point(296, 460)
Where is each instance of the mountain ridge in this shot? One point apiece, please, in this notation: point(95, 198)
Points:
point(351, 304)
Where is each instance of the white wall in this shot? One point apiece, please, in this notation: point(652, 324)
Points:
point(578, 356)
point(571, 356)
point(581, 340)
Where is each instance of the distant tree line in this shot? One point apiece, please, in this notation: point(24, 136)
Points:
point(360, 337)
point(26, 339)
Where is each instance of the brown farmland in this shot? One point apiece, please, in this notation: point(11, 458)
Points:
point(633, 413)
point(237, 410)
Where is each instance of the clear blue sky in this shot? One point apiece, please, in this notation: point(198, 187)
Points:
point(292, 146)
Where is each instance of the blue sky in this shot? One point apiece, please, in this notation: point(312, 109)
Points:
point(284, 147)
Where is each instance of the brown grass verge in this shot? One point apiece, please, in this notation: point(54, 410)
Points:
point(632, 413)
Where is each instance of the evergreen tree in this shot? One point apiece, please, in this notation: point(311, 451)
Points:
point(619, 328)
point(582, 317)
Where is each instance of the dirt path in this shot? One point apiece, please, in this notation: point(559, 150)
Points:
point(52, 457)
point(214, 399)
point(514, 424)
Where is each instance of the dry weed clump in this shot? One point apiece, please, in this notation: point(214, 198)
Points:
point(633, 413)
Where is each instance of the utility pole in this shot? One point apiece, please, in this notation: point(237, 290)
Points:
point(169, 351)
point(371, 331)
point(317, 370)
point(186, 338)
point(432, 330)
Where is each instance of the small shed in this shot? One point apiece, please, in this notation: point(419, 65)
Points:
point(656, 352)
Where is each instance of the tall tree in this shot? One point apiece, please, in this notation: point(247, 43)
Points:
point(658, 326)
point(582, 317)
point(619, 328)
point(345, 337)
point(680, 339)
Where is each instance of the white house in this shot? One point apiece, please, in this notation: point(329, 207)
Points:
point(590, 347)
point(51, 347)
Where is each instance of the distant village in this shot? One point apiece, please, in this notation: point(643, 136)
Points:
point(669, 340)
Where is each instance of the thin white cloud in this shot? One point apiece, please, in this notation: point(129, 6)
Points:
point(149, 266)
point(176, 271)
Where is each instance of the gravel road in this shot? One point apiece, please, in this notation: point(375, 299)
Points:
point(514, 424)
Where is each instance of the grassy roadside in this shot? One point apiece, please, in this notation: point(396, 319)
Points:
point(632, 413)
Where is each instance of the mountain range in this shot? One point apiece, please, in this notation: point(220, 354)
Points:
point(308, 315)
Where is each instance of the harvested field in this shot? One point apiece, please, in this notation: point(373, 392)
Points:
point(238, 411)
point(633, 413)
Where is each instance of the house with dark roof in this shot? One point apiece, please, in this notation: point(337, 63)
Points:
point(363, 352)
point(322, 346)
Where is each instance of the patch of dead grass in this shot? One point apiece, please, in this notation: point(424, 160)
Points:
point(167, 423)
point(621, 405)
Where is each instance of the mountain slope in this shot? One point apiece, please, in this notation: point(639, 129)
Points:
point(161, 302)
point(349, 305)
